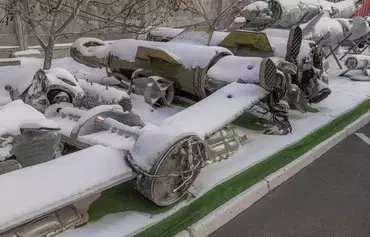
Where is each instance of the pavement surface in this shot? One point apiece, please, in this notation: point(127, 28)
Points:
point(329, 198)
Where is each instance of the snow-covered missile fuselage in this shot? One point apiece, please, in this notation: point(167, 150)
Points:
point(285, 14)
point(331, 31)
point(186, 65)
point(287, 45)
point(191, 66)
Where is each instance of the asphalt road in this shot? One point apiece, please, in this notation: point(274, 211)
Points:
point(329, 198)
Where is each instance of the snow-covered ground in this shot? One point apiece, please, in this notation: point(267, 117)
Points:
point(346, 94)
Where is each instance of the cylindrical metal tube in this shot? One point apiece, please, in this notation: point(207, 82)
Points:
point(225, 149)
point(358, 62)
point(220, 136)
point(182, 63)
point(86, 51)
point(109, 123)
point(223, 143)
point(69, 111)
point(245, 70)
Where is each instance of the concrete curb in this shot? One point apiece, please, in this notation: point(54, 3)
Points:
point(238, 204)
point(227, 212)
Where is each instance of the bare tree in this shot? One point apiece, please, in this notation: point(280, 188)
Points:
point(48, 20)
point(198, 8)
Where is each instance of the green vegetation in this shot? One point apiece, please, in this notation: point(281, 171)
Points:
point(122, 198)
point(125, 198)
point(231, 188)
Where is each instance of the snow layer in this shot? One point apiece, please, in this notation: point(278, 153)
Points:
point(68, 178)
point(256, 6)
point(20, 77)
point(109, 139)
point(278, 33)
point(277, 37)
point(61, 73)
point(342, 9)
point(89, 51)
point(190, 56)
point(240, 20)
point(193, 36)
point(322, 28)
point(359, 27)
point(221, 107)
point(87, 115)
point(144, 110)
point(65, 124)
point(346, 94)
point(107, 94)
point(84, 132)
point(218, 37)
point(12, 117)
point(246, 69)
point(294, 10)
point(60, 76)
point(166, 32)
point(27, 52)
point(335, 29)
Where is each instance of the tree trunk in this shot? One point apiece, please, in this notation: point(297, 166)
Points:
point(20, 29)
point(49, 52)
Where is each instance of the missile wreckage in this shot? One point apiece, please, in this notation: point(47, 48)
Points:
point(327, 24)
point(171, 61)
point(194, 71)
point(127, 155)
point(223, 74)
point(286, 14)
point(332, 31)
point(358, 63)
point(124, 140)
point(156, 173)
point(285, 48)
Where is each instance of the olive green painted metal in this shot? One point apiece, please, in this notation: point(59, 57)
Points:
point(240, 42)
point(178, 63)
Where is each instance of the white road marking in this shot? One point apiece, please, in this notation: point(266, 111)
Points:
point(364, 137)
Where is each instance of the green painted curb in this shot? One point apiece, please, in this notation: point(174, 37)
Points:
point(224, 192)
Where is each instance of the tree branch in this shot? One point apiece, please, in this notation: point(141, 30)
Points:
point(76, 10)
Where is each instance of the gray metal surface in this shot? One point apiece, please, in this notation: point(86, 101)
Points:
point(50, 224)
point(331, 197)
point(9, 166)
point(35, 149)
